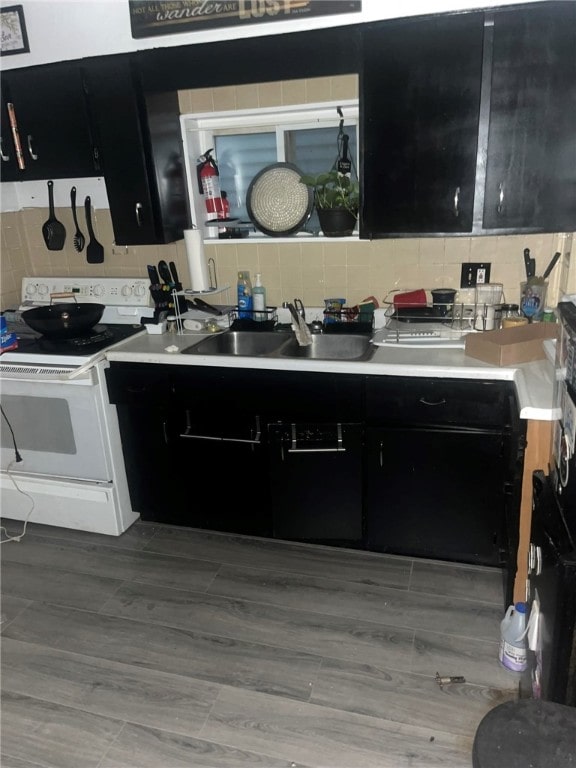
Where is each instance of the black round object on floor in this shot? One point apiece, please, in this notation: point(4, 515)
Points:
point(518, 734)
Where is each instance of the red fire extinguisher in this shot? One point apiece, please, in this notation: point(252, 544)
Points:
point(209, 184)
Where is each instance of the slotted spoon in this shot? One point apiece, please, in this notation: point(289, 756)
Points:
point(79, 239)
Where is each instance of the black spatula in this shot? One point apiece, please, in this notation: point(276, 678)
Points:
point(94, 250)
point(53, 231)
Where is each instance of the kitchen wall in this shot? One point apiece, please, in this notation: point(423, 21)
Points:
point(308, 270)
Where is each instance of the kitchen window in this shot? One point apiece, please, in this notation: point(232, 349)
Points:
point(245, 142)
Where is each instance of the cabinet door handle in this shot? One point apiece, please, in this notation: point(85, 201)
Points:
point(457, 202)
point(31, 152)
point(500, 206)
point(138, 211)
point(165, 432)
point(429, 402)
point(256, 433)
point(538, 569)
point(338, 448)
point(16, 136)
point(4, 157)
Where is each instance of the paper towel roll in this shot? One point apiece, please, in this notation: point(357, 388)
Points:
point(197, 264)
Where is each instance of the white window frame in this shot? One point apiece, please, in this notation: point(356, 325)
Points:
point(198, 131)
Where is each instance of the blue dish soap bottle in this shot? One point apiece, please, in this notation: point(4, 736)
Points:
point(244, 295)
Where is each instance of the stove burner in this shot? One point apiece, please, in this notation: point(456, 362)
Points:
point(94, 336)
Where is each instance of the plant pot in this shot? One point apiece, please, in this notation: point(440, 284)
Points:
point(336, 222)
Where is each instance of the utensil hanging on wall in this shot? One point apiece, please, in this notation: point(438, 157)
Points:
point(79, 239)
point(53, 231)
point(94, 250)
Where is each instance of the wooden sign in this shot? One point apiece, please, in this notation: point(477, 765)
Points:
point(149, 18)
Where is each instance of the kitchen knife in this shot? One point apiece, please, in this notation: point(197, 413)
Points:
point(153, 274)
point(164, 272)
point(204, 306)
point(174, 272)
point(552, 264)
point(530, 264)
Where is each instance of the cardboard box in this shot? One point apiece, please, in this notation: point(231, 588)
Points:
point(511, 346)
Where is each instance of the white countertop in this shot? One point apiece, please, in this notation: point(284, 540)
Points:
point(534, 381)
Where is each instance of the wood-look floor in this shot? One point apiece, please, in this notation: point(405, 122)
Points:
point(175, 648)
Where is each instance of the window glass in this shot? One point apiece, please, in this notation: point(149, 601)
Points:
point(240, 157)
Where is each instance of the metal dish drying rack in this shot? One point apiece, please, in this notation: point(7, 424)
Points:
point(429, 325)
point(232, 318)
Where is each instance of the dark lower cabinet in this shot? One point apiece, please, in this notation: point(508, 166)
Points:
point(410, 466)
point(219, 462)
point(316, 482)
point(436, 493)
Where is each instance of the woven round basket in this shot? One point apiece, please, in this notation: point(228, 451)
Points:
point(278, 203)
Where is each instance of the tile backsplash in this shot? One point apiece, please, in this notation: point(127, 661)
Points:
point(292, 268)
point(308, 270)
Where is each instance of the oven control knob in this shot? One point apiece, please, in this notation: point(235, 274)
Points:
point(43, 289)
point(30, 290)
point(98, 290)
point(140, 289)
point(126, 290)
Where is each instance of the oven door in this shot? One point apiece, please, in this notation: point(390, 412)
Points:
point(58, 428)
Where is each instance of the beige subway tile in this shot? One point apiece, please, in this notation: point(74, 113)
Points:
point(359, 280)
point(407, 250)
point(224, 98)
point(380, 251)
point(357, 254)
point(11, 235)
point(201, 100)
point(484, 249)
point(432, 251)
point(457, 250)
point(318, 89)
point(345, 87)
point(269, 94)
point(293, 92)
point(335, 253)
point(247, 96)
point(184, 102)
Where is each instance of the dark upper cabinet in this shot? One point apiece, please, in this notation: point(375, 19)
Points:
point(467, 123)
point(53, 123)
point(531, 161)
point(420, 91)
point(141, 149)
point(314, 53)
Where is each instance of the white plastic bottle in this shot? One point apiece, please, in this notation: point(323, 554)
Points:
point(513, 645)
point(259, 298)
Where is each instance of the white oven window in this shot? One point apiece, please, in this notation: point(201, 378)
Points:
point(41, 423)
point(59, 428)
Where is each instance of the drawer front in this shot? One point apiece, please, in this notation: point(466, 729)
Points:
point(442, 402)
point(138, 384)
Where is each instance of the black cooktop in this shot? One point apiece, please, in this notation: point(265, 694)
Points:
point(94, 340)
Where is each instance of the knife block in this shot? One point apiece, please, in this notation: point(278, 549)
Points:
point(163, 296)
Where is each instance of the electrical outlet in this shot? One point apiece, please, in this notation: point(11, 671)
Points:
point(474, 274)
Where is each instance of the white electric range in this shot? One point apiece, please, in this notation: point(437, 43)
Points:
point(61, 459)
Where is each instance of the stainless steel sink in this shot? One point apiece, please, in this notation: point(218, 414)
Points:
point(239, 343)
point(284, 344)
point(346, 346)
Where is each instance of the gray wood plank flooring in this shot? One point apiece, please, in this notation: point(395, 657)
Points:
point(176, 648)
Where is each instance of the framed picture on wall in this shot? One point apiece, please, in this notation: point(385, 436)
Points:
point(13, 37)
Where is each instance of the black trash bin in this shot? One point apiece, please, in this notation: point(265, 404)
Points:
point(529, 732)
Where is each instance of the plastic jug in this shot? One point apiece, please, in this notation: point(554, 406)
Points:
point(513, 646)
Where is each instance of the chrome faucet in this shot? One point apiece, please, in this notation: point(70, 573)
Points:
point(301, 330)
point(300, 308)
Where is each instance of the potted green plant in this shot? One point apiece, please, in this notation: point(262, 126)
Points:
point(337, 199)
